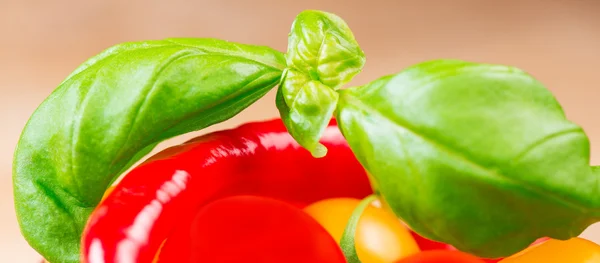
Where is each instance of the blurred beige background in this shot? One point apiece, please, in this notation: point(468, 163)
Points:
point(43, 41)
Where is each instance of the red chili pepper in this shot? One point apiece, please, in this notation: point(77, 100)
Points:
point(254, 159)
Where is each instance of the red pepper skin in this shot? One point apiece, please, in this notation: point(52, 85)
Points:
point(427, 244)
point(252, 230)
point(254, 159)
point(441, 256)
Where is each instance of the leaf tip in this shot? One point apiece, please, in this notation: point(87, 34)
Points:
point(319, 151)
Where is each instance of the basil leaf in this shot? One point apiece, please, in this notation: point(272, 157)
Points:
point(111, 111)
point(322, 46)
point(311, 105)
point(478, 156)
point(322, 56)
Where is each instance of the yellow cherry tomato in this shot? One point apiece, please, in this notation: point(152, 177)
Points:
point(380, 236)
point(575, 250)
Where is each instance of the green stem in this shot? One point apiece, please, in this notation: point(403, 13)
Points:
point(347, 242)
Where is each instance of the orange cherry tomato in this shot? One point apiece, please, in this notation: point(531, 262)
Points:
point(380, 236)
point(575, 250)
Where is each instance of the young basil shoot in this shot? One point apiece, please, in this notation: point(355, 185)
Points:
point(322, 56)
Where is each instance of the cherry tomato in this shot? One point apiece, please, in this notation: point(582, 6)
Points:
point(575, 250)
point(441, 256)
point(380, 236)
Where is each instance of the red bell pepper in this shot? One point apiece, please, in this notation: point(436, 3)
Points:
point(161, 205)
point(167, 190)
point(163, 202)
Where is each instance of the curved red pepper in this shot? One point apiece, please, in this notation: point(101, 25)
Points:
point(254, 159)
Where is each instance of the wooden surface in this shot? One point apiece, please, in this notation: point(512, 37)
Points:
point(43, 41)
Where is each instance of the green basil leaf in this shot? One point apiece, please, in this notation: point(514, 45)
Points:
point(322, 46)
point(475, 155)
point(111, 111)
point(322, 56)
point(306, 109)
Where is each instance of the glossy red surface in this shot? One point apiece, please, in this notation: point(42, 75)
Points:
point(252, 230)
point(166, 191)
point(441, 256)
